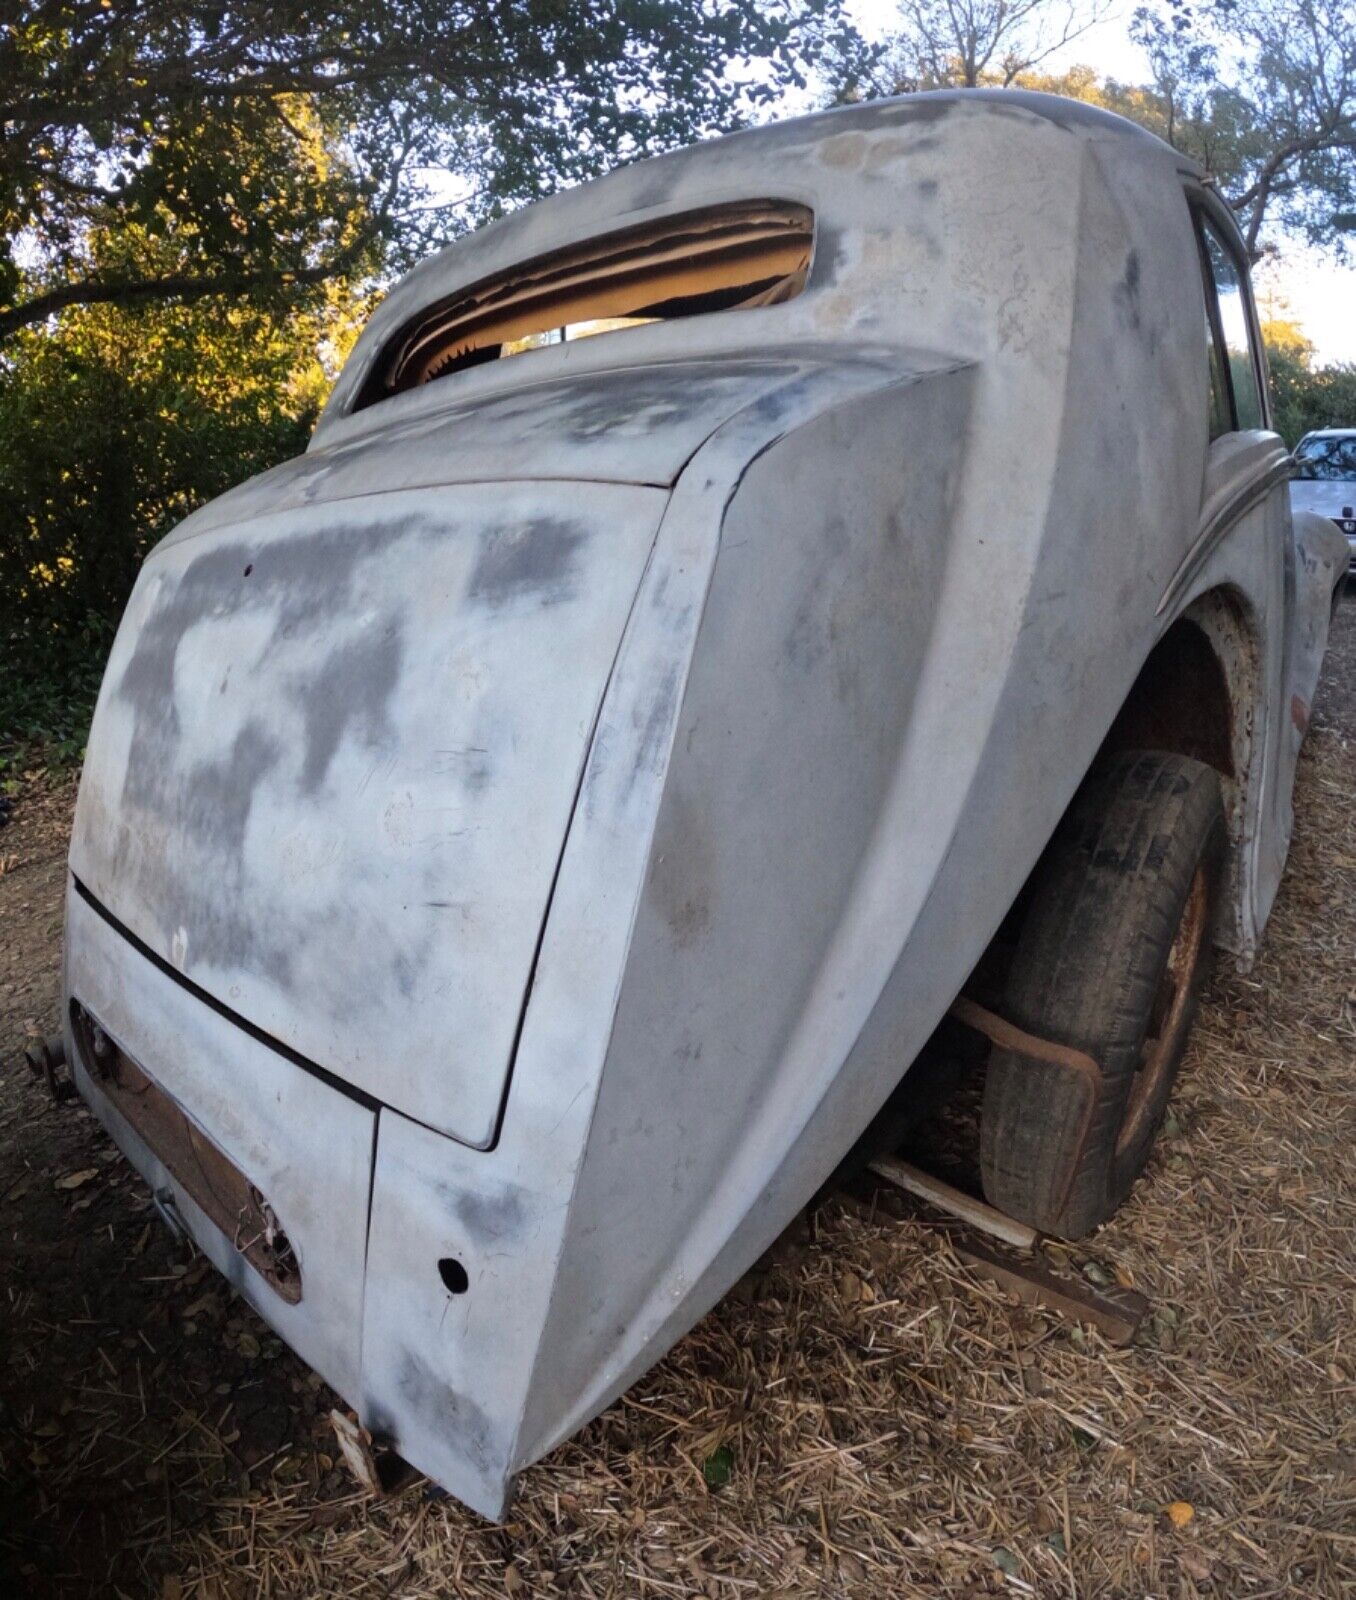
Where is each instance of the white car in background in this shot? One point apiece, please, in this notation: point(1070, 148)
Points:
point(1324, 478)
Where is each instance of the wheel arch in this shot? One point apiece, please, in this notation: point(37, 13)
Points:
point(1197, 694)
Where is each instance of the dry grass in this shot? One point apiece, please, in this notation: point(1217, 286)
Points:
point(895, 1427)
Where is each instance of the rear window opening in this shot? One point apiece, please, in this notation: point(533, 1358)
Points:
point(723, 258)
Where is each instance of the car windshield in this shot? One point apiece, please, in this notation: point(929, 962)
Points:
point(1330, 460)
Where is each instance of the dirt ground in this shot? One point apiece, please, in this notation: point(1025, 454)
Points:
point(884, 1423)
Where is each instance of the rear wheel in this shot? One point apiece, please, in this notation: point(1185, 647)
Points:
point(1110, 960)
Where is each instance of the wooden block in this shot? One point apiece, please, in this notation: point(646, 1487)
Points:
point(1116, 1312)
point(955, 1202)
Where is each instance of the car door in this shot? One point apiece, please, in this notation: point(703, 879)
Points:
point(1245, 501)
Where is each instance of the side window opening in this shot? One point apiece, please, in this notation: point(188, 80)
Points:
point(722, 258)
point(1235, 390)
point(1221, 397)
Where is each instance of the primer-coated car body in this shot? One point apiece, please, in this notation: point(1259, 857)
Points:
point(534, 831)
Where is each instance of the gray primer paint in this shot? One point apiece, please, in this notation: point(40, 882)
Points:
point(626, 750)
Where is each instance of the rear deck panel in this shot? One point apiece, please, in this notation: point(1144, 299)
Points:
point(305, 1144)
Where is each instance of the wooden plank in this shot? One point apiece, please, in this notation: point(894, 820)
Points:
point(380, 1472)
point(955, 1202)
point(1116, 1312)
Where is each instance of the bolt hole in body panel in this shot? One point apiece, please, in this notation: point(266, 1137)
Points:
point(453, 1274)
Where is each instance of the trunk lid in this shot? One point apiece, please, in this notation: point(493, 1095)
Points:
point(334, 762)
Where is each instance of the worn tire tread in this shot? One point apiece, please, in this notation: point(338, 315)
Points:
point(1108, 898)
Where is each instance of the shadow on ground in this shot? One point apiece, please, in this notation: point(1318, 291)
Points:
point(892, 1426)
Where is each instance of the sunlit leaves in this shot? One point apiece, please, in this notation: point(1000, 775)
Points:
point(143, 112)
point(115, 423)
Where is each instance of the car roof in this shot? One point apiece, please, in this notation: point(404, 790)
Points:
point(1074, 116)
point(832, 161)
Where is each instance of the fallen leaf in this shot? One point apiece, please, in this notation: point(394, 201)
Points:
point(1196, 1565)
point(850, 1288)
point(247, 1345)
point(1179, 1512)
point(73, 1180)
point(1043, 1519)
point(718, 1466)
point(1006, 1562)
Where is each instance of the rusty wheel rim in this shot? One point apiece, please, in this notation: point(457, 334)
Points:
point(1168, 1016)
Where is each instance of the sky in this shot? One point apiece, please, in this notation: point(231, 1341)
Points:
point(1303, 286)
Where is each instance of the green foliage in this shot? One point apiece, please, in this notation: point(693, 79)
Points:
point(112, 428)
point(134, 116)
point(718, 1467)
point(1263, 94)
point(1304, 397)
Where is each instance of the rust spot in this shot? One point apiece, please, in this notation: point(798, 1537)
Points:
point(1299, 713)
point(216, 1185)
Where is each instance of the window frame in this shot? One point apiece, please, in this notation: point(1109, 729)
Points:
point(1207, 210)
point(687, 243)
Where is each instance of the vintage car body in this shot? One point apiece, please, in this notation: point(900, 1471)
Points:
point(529, 836)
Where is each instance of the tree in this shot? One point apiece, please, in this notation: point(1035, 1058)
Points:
point(119, 416)
point(971, 44)
point(122, 114)
point(1263, 93)
point(112, 428)
point(1304, 397)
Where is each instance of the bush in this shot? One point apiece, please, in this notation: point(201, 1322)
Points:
point(114, 425)
point(1305, 397)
